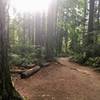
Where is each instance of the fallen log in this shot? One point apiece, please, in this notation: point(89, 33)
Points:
point(28, 66)
point(18, 71)
point(29, 72)
point(45, 64)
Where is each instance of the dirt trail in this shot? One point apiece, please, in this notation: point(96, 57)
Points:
point(69, 81)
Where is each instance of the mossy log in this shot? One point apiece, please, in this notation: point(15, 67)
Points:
point(30, 72)
point(18, 71)
point(28, 66)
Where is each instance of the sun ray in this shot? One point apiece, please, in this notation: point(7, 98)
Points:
point(30, 6)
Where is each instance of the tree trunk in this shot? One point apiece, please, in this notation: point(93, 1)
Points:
point(43, 30)
point(89, 38)
point(38, 29)
point(98, 15)
point(91, 16)
point(51, 31)
point(91, 23)
point(7, 91)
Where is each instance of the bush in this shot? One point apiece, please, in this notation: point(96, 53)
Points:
point(81, 59)
point(24, 55)
point(14, 59)
point(93, 61)
point(78, 58)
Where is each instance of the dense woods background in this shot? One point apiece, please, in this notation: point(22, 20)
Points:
point(70, 28)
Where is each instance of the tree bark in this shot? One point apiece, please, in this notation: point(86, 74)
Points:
point(51, 31)
point(98, 15)
point(91, 16)
point(38, 29)
point(30, 72)
point(7, 91)
point(91, 23)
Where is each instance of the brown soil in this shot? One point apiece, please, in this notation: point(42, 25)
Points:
point(69, 81)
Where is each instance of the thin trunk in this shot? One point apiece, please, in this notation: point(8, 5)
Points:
point(43, 30)
point(84, 24)
point(98, 15)
point(91, 16)
point(32, 32)
point(91, 22)
point(38, 29)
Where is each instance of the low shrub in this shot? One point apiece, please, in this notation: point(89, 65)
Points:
point(78, 58)
point(93, 61)
point(24, 55)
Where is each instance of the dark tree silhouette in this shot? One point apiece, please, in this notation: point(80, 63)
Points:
point(7, 91)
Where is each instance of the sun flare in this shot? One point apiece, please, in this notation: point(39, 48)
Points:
point(30, 5)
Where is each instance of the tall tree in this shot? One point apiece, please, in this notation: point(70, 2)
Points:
point(38, 29)
point(51, 30)
point(91, 16)
point(98, 15)
point(7, 91)
point(43, 30)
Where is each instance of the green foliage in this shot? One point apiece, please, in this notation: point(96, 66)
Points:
point(93, 61)
point(83, 46)
point(25, 54)
point(71, 23)
point(89, 55)
point(82, 59)
point(93, 50)
point(78, 58)
point(72, 37)
point(14, 59)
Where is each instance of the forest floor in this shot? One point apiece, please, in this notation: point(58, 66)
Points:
point(65, 81)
